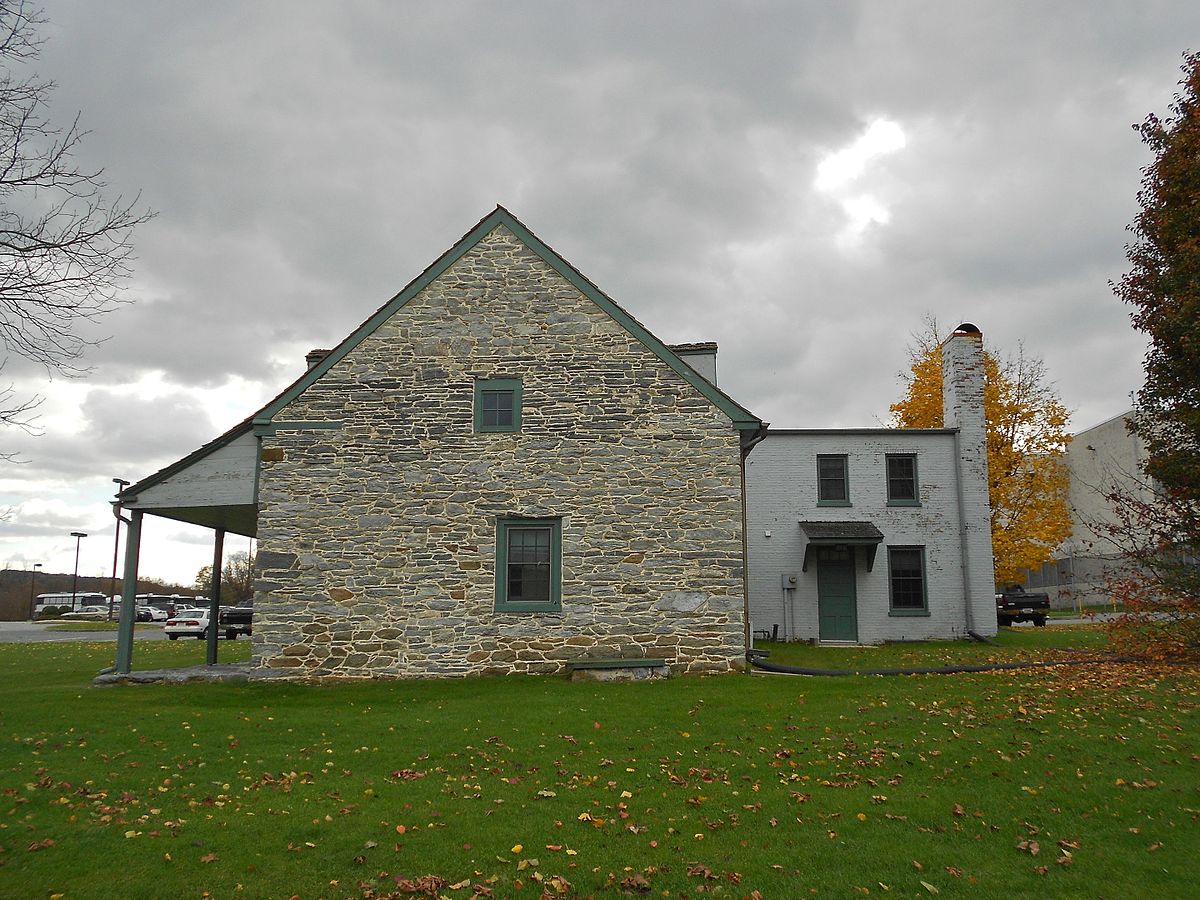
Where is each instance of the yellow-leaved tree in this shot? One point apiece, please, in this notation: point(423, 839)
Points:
point(1027, 441)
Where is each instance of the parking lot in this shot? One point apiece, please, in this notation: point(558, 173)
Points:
point(33, 632)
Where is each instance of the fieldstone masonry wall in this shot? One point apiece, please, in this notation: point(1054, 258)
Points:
point(378, 539)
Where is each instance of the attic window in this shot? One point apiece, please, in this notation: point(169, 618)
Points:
point(498, 405)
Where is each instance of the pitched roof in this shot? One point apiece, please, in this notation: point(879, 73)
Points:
point(852, 534)
point(743, 420)
point(842, 532)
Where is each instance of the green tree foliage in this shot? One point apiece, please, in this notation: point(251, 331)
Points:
point(1163, 286)
point(237, 579)
point(1162, 589)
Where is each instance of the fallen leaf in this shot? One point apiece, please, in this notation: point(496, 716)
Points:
point(1030, 847)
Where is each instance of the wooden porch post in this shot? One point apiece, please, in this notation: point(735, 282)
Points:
point(133, 544)
point(214, 603)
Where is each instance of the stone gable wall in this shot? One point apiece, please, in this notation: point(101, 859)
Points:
point(377, 540)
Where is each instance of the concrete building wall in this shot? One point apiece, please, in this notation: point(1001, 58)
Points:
point(1100, 460)
point(377, 538)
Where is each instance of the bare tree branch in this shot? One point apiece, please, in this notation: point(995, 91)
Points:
point(65, 248)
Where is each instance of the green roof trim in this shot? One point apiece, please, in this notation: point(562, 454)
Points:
point(743, 419)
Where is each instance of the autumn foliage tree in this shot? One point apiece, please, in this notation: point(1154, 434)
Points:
point(1027, 440)
point(1163, 287)
point(237, 579)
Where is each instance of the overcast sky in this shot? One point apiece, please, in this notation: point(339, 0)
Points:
point(800, 181)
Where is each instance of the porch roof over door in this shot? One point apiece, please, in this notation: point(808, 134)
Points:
point(840, 534)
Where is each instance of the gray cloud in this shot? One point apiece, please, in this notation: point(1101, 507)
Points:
point(308, 159)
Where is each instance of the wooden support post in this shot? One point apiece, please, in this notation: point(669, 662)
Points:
point(133, 545)
point(214, 603)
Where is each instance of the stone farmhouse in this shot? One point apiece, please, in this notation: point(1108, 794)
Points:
point(500, 471)
point(876, 534)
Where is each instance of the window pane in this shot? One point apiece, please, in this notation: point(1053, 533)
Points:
point(831, 478)
point(497, 408)
point(908, 579)
point(529, 564)
point(902, 477)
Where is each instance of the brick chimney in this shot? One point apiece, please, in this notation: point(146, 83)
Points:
point(702, 357)
point(312, 357)
point(962, 407)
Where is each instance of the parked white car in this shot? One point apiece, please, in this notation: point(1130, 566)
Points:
point(87, 612)
point(187, 623)
point(151, 614)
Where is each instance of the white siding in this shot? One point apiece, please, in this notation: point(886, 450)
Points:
point(781, 491)
point(224, 477)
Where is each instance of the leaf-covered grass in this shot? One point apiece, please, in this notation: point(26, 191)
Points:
point(1071, 782)
point(1010, 645)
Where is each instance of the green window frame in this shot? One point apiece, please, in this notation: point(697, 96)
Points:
point(528, 565)
point(907, 590)
point(498, 405)
point(903, 487)
point(833, 479)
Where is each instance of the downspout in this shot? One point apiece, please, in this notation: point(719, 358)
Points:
point(786, 607)
point(963, 543)
point(746, 448)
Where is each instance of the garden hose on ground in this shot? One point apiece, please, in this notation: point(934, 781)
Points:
point(757, 659)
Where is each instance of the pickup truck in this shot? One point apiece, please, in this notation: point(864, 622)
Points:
point(236, 620)
point(1015, 604)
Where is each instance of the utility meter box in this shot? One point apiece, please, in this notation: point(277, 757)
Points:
point(788, 582)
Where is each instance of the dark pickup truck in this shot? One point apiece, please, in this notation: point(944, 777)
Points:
point(236, 620)
point(1014, 604)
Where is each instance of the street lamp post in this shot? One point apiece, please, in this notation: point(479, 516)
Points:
point(78, 535)
point(32, 582)
point(121, 484)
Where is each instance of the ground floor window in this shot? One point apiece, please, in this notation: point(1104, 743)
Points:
point(528, 565)
point(906, 577)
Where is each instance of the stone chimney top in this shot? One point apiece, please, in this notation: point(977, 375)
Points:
point(700, 356)
point(312, 357)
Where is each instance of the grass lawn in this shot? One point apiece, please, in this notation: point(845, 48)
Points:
point(1074, 782)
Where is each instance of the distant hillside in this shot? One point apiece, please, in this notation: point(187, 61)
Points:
point(15, 584)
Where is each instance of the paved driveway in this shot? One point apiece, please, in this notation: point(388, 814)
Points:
point(30, 632)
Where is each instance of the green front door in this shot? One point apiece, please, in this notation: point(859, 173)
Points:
point(837, 602)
